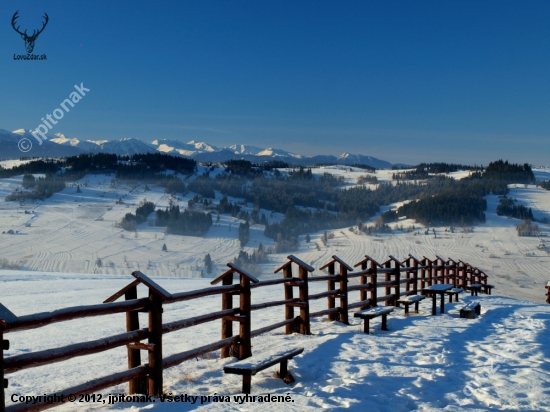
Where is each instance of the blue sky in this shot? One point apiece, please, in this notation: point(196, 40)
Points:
point(404, 81)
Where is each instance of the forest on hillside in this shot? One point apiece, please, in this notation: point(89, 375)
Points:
point(309, 202)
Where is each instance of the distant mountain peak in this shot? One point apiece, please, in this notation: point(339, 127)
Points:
point(61, 145)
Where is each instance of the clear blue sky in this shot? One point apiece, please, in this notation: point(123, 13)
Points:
point(404, 81)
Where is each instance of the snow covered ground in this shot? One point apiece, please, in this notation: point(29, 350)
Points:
point(425, 363)
point(422, 363)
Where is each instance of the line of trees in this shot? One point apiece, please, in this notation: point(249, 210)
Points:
point(507, 207)
point(188, 223)
point(130, 221)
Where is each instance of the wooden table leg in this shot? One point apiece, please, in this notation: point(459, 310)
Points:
point(406, 308)
point(284, 369)
point(434, 306)
point(366, 326)
point(442, 303)
point(384, 322)
point(416, 306)
point(247, 380)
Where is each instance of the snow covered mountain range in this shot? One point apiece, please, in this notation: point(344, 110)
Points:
point(60, 145)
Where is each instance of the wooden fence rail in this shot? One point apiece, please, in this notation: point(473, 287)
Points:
point(396, 278)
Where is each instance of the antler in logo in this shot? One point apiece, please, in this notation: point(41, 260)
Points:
point(29, 40)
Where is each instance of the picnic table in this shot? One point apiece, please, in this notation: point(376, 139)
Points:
point(435, 290)
point(475, 288)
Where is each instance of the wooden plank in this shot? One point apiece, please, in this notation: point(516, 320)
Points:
point(340, 261)
point(324, 312)
point(6, 316)
point(221, 277)
point(438, 288)
point(195, 294)
point(283, 267)
point(415, 298)
point(367, 259)
point(197, 320)
point(271, 282)
point(323, 278)
point(273, 303)
point(178, 358)
point(49, 356)
point(152, 285)
point(243, 272)
point(269, 328)
point(141, 346)
point(366, 286)
point(374, 312)
point(335, 292)
point(45, 318)
point(300, 263)
point(257, 363)
point(359, 304)
point(122, 291)
point(397, 261)
point(92, 386)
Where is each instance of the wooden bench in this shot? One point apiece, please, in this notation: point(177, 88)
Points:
point(455, 292)
point(409, 300)
point(470, 310)
point(368, 314)
point(256, 363)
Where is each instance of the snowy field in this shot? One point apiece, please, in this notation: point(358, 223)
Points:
point(422, 363)
point(70, 231)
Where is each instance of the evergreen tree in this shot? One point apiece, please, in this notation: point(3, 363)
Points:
point(164, 248)
point(208, 263)
point(244, 233)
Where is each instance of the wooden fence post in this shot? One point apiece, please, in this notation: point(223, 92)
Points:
point(134, 355)
point(408, 275)
point(227, 325)
point(397, 288)
point(3, 382)
point(344, 295)
point(303, 291)
point(387, 278)
point(331, 287)
point(363, 281)
point(245, 337)
point(415, 277)
point(548, 292)
point(156, 296)
point(374, 280)
point(289, 294)
point(245, 347)
point(430, 272)
point(155, 339)
point(304, 300)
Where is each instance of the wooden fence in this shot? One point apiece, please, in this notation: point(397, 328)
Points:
point(390, 275)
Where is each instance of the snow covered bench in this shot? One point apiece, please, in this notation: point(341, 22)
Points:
point(470, 310)
point(368, 314)
point(455, 292)
point(256, 363)
point(409, 300)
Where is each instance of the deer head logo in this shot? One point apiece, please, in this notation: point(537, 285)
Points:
point(29, 40)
